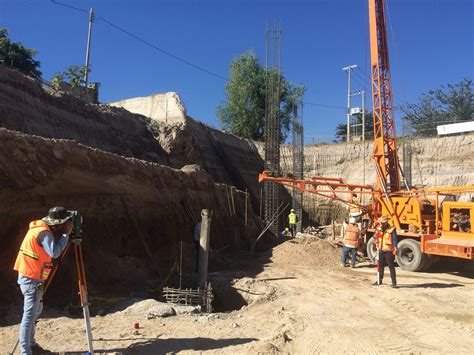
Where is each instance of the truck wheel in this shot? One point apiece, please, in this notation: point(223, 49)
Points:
point(371, 250)
point(410, 257)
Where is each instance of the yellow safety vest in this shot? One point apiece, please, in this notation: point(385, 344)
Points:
point(292, 218)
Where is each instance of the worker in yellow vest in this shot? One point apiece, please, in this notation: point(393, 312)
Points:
point(386, 242)
point(292, 220)
point(45, 240)
point(350, 242)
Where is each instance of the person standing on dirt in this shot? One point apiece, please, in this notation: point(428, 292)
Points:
point(350, 242)
point(44, 241)
point(386, 242)
point(197, 246)
point(292, 220)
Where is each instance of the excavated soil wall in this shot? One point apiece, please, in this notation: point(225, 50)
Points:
point(26, 107)
point(435, 162)
point(133, 212)
point(227, 158)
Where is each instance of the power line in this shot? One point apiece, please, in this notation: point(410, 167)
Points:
point(195, 66)
point(324, 105)
point(69, 6)
point(184, 61)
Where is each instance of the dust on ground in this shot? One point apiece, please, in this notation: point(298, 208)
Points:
point(300, 303)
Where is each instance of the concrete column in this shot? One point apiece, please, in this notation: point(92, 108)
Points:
point(204, 247)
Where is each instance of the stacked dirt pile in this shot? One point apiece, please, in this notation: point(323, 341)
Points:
point(26, 107)
point(133, 212)
point(312, 252)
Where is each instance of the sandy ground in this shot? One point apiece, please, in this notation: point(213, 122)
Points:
point(294, 308)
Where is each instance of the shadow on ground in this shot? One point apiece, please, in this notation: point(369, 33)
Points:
point(174, 345)
point(432, 285)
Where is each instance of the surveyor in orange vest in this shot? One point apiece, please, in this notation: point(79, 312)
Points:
point(350, 242)
point(386, 242)
point(45, 240)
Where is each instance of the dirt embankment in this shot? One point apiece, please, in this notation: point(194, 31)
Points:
point(133, 213)
point(228, 159)
point(26, 107)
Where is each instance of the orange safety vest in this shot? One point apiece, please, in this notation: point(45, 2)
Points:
point(32, 260)
point(386, 242)
point(351, 236)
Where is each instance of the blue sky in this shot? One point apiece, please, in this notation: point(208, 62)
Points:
point(434, 45)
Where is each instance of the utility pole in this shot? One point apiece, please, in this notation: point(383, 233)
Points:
point(88, 51)
point(348, 69)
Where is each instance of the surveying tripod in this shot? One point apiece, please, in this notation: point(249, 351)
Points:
point(75, 242)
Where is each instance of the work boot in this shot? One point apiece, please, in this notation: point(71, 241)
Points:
point(375, 283)
point(352, 266)
point(394, 286)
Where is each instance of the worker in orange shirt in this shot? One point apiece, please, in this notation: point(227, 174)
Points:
point(386, 242)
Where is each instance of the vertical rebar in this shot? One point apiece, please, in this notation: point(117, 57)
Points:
point(298, 161)
point(272, 120)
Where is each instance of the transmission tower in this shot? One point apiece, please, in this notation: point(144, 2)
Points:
point(272, 121)
point(298, 161)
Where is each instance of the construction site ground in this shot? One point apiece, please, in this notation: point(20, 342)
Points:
point(298, 300)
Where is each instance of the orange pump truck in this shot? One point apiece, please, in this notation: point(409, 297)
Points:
point(428, 225)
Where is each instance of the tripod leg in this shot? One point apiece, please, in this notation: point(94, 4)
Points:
point(81, 280)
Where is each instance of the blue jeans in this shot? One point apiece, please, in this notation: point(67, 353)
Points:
point(32, 307)
point(345, 254)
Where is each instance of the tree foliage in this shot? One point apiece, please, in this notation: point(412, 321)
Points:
point(341, 128)
point(15, 55)
point(242, 112)
point(444, 105)
point(73, 75)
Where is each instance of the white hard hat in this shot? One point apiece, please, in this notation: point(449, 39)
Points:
point(352, 220)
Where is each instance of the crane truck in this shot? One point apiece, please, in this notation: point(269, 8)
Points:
point(428, 225)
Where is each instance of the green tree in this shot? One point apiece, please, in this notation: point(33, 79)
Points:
point(15, 55)
point(444, 105)
point(73, 75)
point(341, 128)
point(242, 112)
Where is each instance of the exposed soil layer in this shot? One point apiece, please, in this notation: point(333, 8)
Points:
point(133, 210)
point(26, 107)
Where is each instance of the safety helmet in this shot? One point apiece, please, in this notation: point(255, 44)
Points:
point(292, 210)
point(287, 229)
point(352, 220)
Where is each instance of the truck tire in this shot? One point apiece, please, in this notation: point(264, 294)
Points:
point(410, 257)
point(371, 250)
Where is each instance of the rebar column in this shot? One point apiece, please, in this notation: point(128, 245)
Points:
point(272, 122)
point(298, 161)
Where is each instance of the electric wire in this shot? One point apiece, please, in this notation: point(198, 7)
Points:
point(144, 41)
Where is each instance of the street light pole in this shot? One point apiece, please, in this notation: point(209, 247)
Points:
point(348, 69)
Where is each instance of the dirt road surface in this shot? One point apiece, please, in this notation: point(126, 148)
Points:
point(295, 306)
